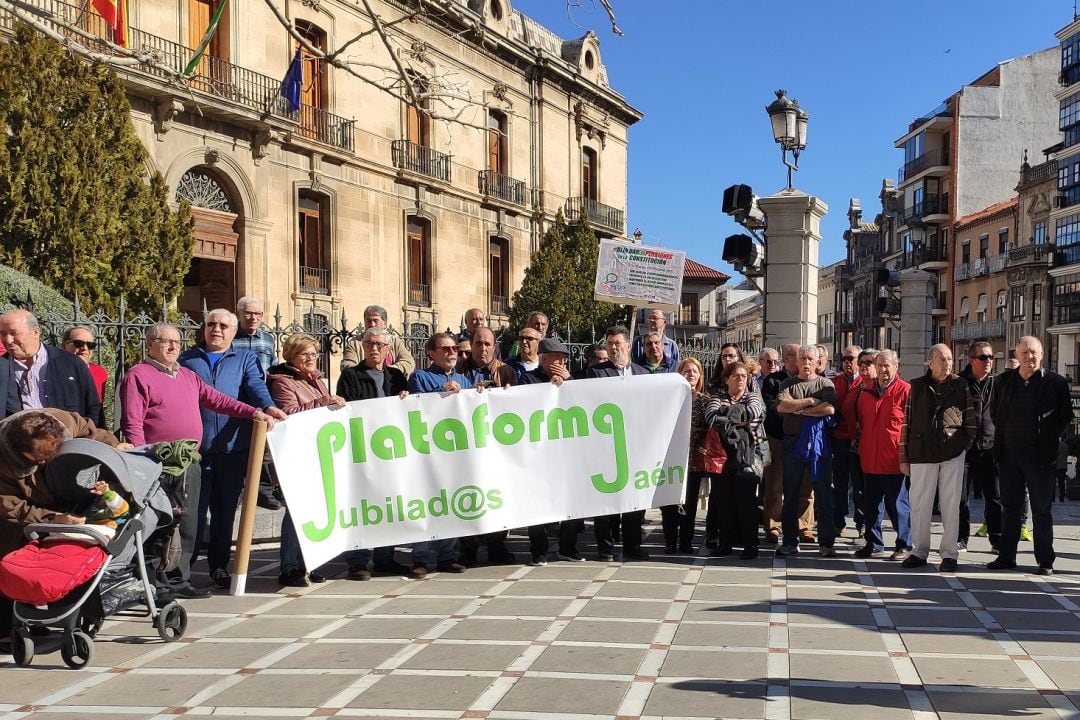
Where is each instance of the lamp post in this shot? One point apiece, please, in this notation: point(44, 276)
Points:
point(789, 129)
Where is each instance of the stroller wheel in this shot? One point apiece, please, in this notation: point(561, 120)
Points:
point(22, 648)
point(77, 650)
point(91, 626)
point(172, 622)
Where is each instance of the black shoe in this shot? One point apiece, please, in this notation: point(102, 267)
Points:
point(605, 557)
point(669, 549)
point(712, 543)
point(749, 553)
point(962, 545)
point(187, 590)
point(293, 578)
point(359, 573)
point(221, 578)
point(868, 551)
point(913, 561)
point(316, 577)
point(721, 551)
point(450, 566)
point(1000, 564)
point(636, 554)
point(468, 559)
point(267, 500)
point(686, 548)
point(947, 565)
point(392, 568)
point(1046, 570)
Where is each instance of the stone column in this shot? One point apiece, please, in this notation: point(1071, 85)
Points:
point(917, 293)
point(793, 239)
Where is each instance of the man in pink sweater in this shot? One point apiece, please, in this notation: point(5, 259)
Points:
point(160, 402)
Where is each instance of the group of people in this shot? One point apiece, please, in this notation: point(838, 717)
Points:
point(777, 442)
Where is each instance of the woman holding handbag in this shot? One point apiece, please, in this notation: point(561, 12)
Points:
point(678, 520)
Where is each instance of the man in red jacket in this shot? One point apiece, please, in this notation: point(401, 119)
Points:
point(880, 413)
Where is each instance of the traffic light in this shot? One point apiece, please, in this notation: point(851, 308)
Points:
point(743, 252)
point(738, 199)
point(888, 306)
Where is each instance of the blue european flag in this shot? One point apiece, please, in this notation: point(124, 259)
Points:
point(290, 85)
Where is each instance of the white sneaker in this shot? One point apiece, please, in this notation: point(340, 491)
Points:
point(538, 561)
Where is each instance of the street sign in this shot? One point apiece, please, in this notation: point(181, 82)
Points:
point(631, 274)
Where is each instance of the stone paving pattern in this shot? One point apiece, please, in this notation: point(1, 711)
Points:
point(674, 637)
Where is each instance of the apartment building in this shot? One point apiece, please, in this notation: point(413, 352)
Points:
point(1029, 261)
point(357, 196)
point(960, 158)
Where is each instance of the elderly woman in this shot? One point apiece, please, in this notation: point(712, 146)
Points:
point(28, 440)
point(678, 520)
point(735, 493)
point(296, 385)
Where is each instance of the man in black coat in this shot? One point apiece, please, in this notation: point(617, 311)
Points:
point(1031, 411)
point(35, 375)
point(369, 380)
point(618, 364)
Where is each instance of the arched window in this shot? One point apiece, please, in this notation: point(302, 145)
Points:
point(418, 250)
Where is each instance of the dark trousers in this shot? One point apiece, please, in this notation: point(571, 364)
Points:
point(631, 532)
point(222, 485)
point(568, 535)
point(189, 525)
point(494, 541)
point(982, 473)
point(736, 495)
point(845, 465)
point(679, 527)
point(893, 491)
point(794, 472)
point(963, 530)
point(1020, 471)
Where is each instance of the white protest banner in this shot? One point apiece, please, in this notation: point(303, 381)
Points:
point(393, 471)
point(637, 275)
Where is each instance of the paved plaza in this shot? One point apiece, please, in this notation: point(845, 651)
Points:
point(675, 637)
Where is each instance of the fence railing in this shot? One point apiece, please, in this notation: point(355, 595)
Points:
point(976, 330)
point(503, 187)
point(594, 212)
point(315, 280)
point(407, 155)
point(420, 294)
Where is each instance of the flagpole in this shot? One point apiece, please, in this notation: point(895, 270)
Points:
point(207, 37)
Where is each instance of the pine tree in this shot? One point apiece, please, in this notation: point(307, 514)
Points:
point(559, 281)
point(78, 210)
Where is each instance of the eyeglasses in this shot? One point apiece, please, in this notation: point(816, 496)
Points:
point(984, 357)
point(526, 338)
point(848, 358)
point(308, 355)
point(376, 345)
point(248, 313)
point(728, 356)
point(223, 326)
point(866, 363)
point(83, 344)
point(447, 348)
point(169, 342)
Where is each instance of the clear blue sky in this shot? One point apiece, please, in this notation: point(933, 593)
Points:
point(702, 71)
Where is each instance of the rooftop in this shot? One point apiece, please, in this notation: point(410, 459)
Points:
point(696, 271)
point(987, 212)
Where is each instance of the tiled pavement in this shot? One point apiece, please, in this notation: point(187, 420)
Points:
point(677, 637)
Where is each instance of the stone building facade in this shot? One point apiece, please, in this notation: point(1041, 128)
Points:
point(358, 197)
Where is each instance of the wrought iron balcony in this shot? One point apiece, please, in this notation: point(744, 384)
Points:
point(595, 213)
point(419, 294)
point(500, 305)
point(1033, 254)
point(928, 159)
point(315, 280)
point(422, 160)
point(976, 330)
point(922, 254)
point(326, 127)
point(497, 185)
point(937, 205)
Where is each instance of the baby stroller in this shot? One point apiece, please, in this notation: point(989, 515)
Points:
point(119, 584)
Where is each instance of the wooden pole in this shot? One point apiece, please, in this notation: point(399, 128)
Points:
point(248, 507)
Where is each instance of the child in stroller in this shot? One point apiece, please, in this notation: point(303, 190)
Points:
point(74, 576)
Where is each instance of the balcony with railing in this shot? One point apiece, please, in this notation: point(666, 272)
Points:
point(500, 305)
point(237, 91)
point(976, 330)
point(936, 205)
point(1033, 254)
point(419, 294)
point(314, 280)
point(421, 160)
point(941, 110)
point(502, 187)
point(933, 256)
point(1038, 173)
point(596, 213)
point(929, 159)
point(961, 272)
point(998, 262)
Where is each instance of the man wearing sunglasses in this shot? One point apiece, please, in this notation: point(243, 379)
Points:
point(980, 466)
point(36, 375)
point(79, 341)
point(528, 358)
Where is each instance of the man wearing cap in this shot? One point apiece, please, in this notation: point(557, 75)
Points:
point(553, 358)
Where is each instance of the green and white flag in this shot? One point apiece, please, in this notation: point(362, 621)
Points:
point(207, 37)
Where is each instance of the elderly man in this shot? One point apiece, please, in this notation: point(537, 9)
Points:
point(369, 380)
point(250, 335)
point(656, 322)
point(36, 375)
point(593, 355)
point(938, 428)
point(482, 366)
point(475, 318)
point(880, 415)
point(823, 367)
point(981, 471)
point(807, 398)
point(161, 402)
point(768, 363)
point(79, 341)
point(655, 359)
point(773, 487)
point(845, 464)
point(618, 364)
point(225, 440)
point(528, 357)
point(396, 354)
point(1031, 411)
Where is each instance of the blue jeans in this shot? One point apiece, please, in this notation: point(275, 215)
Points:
point(432, 552)
point(794, 471)
point(291, 559)
point(222, 485)
point(893, 490)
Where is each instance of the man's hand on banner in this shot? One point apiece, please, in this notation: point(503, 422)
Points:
point(336, 402)
point(275, 412)
point(451, 386)
point(403, 394)
point(260, 415)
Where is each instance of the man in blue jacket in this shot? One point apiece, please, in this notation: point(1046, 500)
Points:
point(225, 440)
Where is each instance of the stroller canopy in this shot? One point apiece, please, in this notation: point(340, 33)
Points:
point(81, 462)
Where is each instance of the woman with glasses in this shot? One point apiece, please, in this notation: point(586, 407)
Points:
point(297, 385)
point(729, 353)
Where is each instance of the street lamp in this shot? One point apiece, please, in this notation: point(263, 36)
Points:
point(788, 128)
